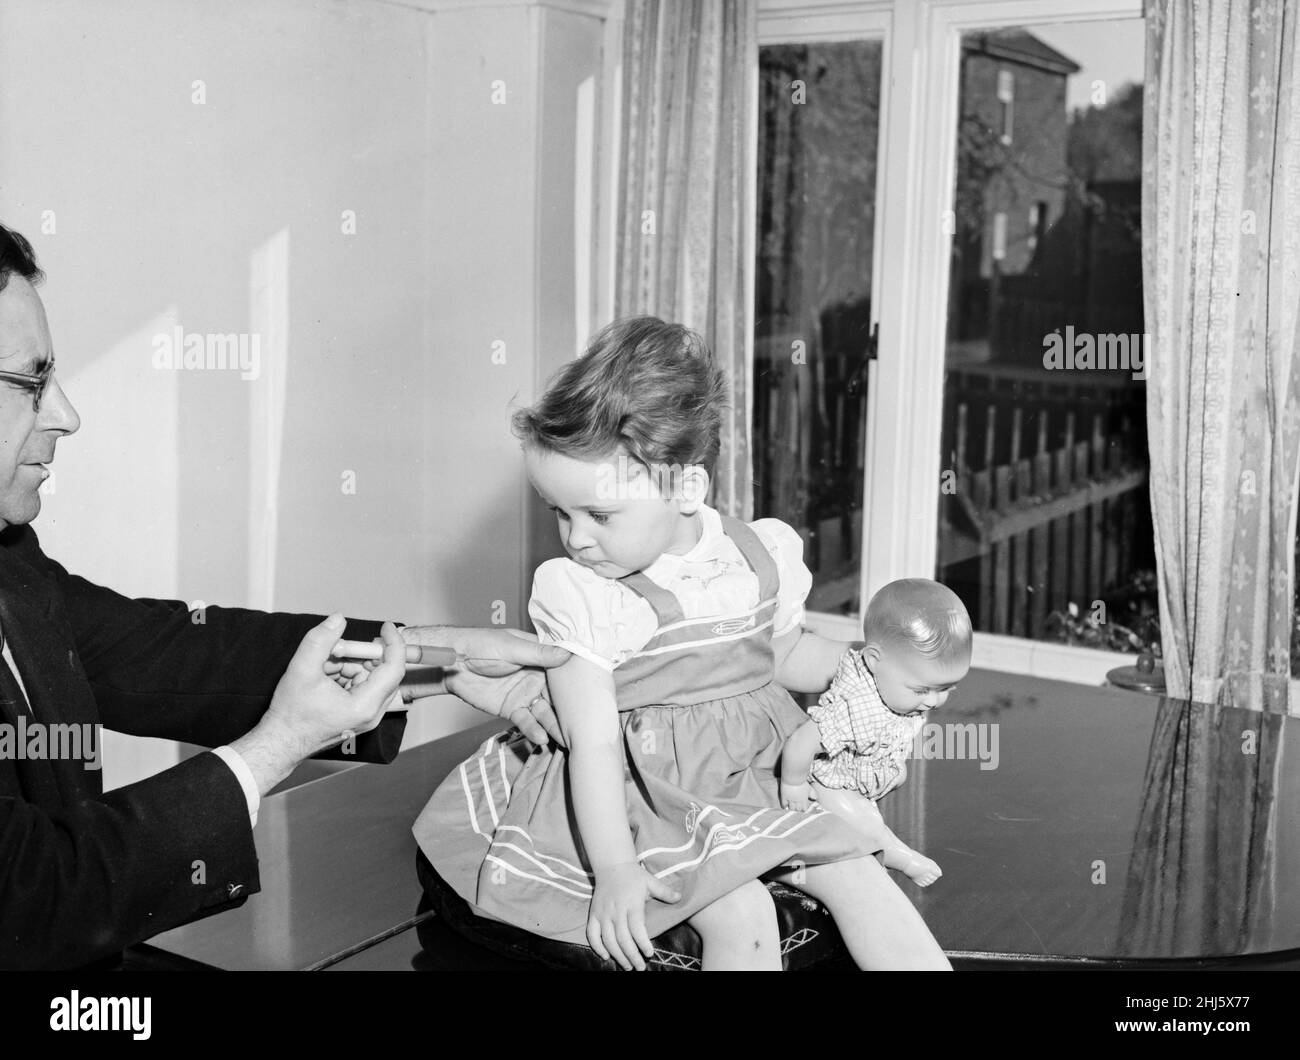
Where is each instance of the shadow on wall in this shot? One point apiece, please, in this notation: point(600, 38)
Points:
point(147, 186)
point(476, 565)
point(155, 188)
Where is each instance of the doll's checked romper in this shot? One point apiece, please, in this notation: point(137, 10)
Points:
point(703, 726)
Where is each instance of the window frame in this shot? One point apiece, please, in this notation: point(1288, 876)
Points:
point(802, 22)
point(915, 176)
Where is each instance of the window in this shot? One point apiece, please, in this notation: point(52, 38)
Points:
point(981, 125)
point(1045, 526)
point(819, 114)
point(1007, 97)
point(1037, 224)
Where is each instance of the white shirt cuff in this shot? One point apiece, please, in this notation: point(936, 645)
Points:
point(244, 775)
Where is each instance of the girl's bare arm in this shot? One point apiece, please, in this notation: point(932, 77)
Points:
point(806, 662)
point(584, 699)
point(583, 695)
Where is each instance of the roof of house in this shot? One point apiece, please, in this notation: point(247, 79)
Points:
point(1020, 46)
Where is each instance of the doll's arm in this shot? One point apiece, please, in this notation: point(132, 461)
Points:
point(796, 761)
point(806, 662)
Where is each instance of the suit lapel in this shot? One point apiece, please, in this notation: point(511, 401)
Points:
point(51, 676)
point(11, 697)
point(18, 593)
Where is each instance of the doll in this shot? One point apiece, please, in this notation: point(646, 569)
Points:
point(854, 750)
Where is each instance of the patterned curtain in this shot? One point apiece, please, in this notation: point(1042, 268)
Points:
point(1221, 262)
point(687, 166)
point(1203, 874)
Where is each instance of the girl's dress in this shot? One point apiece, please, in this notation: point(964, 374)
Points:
point(703, 726)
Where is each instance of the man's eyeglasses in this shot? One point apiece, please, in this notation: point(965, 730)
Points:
point(36, 384)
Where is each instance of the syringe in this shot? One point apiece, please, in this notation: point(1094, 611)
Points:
point(416, 654)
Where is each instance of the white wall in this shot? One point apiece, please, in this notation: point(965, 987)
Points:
point(225, 216)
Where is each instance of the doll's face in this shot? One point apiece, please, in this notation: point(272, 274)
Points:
point(909, 682)
point(612, 517)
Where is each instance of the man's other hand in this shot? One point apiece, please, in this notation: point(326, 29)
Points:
point(503, 675)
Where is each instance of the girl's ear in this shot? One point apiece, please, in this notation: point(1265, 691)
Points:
point(694, 488)
point(871, 655)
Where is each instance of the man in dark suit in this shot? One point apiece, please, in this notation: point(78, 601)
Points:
point(84, 874)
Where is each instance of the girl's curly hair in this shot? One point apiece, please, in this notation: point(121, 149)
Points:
point(643, 385)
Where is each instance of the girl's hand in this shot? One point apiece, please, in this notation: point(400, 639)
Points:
point(616, 923)
point(796, 796)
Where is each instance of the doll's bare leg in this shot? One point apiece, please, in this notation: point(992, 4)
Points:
point(880, 927)
point(739, 931)
point(864, 815)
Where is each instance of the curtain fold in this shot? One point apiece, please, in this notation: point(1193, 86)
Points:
point(1202, 877)
point(1221, 264)
point(688, 114)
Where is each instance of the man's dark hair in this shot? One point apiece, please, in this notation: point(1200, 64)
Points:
point(16, 255)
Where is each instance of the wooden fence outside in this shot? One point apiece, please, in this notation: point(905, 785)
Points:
point(1022, 536)
point(1044, 505)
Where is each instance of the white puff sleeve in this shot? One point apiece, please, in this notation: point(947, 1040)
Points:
point(570, 607)
point(786, 547)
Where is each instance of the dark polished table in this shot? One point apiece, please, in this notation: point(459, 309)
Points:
point(1074, 826)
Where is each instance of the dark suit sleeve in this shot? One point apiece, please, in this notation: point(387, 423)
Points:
point(206, 677)
point(180, 838)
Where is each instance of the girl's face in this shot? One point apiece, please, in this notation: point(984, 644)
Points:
point(612, 516)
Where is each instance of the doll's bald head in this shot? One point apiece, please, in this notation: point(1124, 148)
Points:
point(923, 615)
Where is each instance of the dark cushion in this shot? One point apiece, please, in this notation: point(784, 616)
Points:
point(808, 934)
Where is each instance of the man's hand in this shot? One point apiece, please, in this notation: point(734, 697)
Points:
point(310, 711)
point(504, 675)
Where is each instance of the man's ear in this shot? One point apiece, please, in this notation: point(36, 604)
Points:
point(694, 488)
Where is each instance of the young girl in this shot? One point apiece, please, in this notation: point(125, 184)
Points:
point(685, 632)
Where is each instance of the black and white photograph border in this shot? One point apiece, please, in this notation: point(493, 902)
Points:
point(903, 396)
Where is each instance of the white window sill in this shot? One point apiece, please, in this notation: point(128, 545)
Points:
point(1016, 655)
point(1038, 658)
point(1012, 655)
